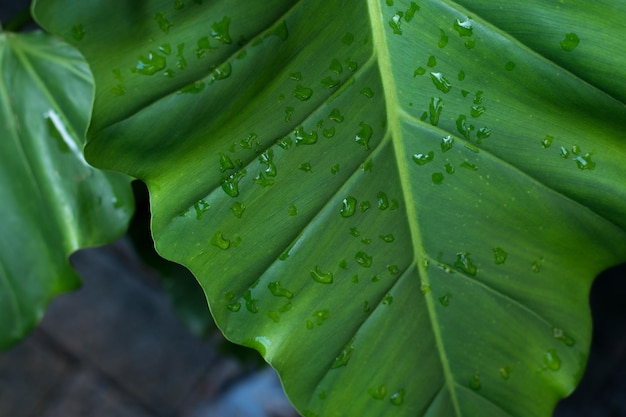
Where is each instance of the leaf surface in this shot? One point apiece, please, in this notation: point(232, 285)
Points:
point(53, 202)
point(399, 204)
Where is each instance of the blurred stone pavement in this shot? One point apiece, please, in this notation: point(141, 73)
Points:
point(114, 348)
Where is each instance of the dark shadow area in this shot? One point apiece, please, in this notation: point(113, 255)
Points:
point(602, 391)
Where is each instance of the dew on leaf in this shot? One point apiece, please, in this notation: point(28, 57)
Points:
point(378, 393)
point(336, 116)
point(447, 142)
point(296, 76)
point(230, 185)
point(432, 61)
point(220, 30)
point(434, 109)
point(292, 210)
point(222, 72)
point(409, 14)
point(352, 65)
point(477, 110)
point(509, 66)
point(461, 75)
point(238, 208)
point(425, 289)
point(449, 168)
point(320, 276)
point(354, 231)
point(483, 133)
point(382, 200)
point(537, 265)
point(150, 64)
point(505, 372)
point(334, 169)
point(288, 113)
point(478, 97)
point(584, 162)
point(547, 141)
point(419, 71)
point(396, 23)
point(278, 291)
point(464, 263)
point(250, 302)
point(225, 162)
point(552, 360)
point(393, 269)
point(344, 356)
point(179, 4)
point(462, 127)
point(364, 206)
point(470, 43)
point(437, 177)
point(201, 207)
point(469, 166)
point(347, 39)
point(321, 316)
point(562, 336)
point(166, 48)
point(499, 255)
point(162, 21)
point(397, 398)
point(444, 300)
point(387, 238)
point(364, 135)
point(304, 138)
point(330, 82)
point(423, 158)
point(343, 264)
point(363, 259)
point(570, 42)
point(335, 66)
point(302, 93)
point(78, 31)
point(193, 88)
point(463, 27)
point(306, 167)
point(367, 92)
point(388, 299)
point(220, 241)
point(474, 382)
point(348, 206)
point(443, 39)
point(440, 82)
point(181, 62)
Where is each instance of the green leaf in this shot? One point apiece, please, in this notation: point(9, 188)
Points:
point(399, 204)
point(53, 202)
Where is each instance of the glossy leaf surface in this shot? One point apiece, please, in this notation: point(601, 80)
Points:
point(53, 202)
point(398, 203)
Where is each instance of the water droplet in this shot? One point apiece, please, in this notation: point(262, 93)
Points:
point(343, 264)
point(584, 162)
point(432, 61)
point(474, 382)
point(203, 45)
point(288, 113)
point(364, 206)
point(389, 2)
point(563, 337)
point(336, 116)
point(445, 300)
point(179, 4)
point(468, 166)
point(547, 141)
point(225, 162)
point(483, 133)
point(443, 39)
point(292, 210)
point(388, 299)
point(387, 238)
point(464, 263)
point(470, 43)
point(570, 42)
point(364, 135)
point(440, 82)
point(201, 207)
point(322, 277)
point(447, 142)
point(166, 48)
point(355, 232)
point(335, 66)
point(150, 64)
point(367, 92)
point(437, 177)
point(222, 72)
point(396, 23)
point(537, 265)
point(564, 153)
point(462, 127)
point(306, 167)
point(344, 356)
point(478, 97)
point(302, 93)
point(334, 169)
point(410, 12)
point(220, 241)
point(250, 302)
point(552, 360)
point(393, 269)
point(397, 398)
point(434, 109)
point(477, 110)
point(181, 62)
point(193, 88)
point(321, 316)
point(352, 65)
point(509, 66)
point(425, 289)
point(449, 168)
point(499, 256)
point(303, 138)
point(419, 71)
point(382, 201)
point(463, 27)
point(378, 393)
point(238, 208)
point(78, 31)
point(162, 21)
point(330, 82)
point(296, 76)
point(278, 291)
point(220, 30)
point(348, 206)
point(230, 185)
point(329, 133)
point(423, 158)
point(505, 372)
point(284, 142)
point(363, 259)
point(347, 39)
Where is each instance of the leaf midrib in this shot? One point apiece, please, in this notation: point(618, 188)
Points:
point(394, 117)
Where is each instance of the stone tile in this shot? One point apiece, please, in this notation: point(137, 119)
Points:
point(128, 331)
point(30, 375)
point(88, 394)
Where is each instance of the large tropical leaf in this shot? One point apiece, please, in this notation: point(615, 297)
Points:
point(399, 204)
point(52, 201)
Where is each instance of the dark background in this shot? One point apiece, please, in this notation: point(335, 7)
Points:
point(601, 393)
